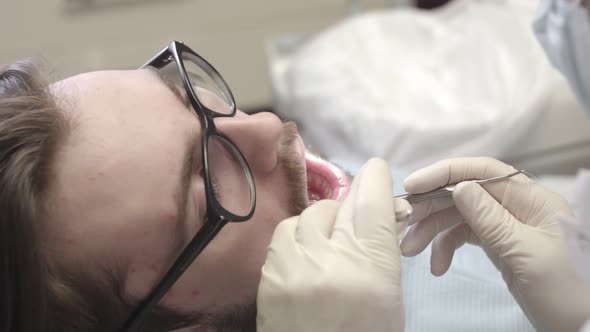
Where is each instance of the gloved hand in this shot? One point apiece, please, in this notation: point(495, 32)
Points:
point(336, 267)
point(515, 221)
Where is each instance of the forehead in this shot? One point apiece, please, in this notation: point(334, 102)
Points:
point(91, 91)
point(118, 170)
point(117, 101)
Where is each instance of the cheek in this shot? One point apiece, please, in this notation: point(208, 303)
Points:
point(228, 270)
point(141, 279)
point(149, 253)
point(244, 245)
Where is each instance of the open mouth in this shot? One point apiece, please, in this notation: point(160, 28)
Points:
point(325, 180)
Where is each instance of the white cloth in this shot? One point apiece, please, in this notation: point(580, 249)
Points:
point(471, 296)
point(414, 87)
point(577, 230)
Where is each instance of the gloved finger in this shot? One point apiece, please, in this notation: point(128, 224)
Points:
point(316, 222)
point(282, 245)
point(456, 170)
point(495, 227)
point(426, 208)
point(444, 246)
point(285, 231)
point(422, 233)
point(403, 210)
point(374, 211)
point(516, 194)
point(343, 227)
point(402, 207)
point(369, 206)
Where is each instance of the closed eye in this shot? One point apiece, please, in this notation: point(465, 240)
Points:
point(215, 186)
point(214, 183)
point(216, 192)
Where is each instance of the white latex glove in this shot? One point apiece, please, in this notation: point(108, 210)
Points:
point(515, 221)
point(336, 267)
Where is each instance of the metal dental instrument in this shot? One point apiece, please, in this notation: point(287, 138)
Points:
point(402, 216)
point(448, 190)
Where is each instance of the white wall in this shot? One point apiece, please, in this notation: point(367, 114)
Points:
point(125, 33)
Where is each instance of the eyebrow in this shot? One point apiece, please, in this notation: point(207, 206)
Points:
point(182, 97)
point(187, 168)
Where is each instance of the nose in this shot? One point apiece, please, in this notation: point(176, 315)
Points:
point(257, 136)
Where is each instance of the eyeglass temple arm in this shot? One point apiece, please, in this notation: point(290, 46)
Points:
point(159, 60)
point(184, 260)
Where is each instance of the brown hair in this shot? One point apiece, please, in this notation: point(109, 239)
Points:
point(38, 293)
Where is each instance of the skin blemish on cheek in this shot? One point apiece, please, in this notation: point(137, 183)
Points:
point(170, 217)
point(195, 293)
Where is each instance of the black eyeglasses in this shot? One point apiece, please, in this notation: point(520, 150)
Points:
point(222, 160)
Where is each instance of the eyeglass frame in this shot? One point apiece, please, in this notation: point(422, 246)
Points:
point(217, 215)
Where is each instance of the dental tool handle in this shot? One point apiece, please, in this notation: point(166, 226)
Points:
point(448, 190)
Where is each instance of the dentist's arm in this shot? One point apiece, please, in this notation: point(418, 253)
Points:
point(516, 223)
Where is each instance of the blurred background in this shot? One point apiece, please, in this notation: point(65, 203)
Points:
point(82, 35)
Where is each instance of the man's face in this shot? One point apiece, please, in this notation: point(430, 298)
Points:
point(118, 196)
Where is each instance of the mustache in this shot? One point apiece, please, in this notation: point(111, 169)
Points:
point(289, 134)
point(294, 167)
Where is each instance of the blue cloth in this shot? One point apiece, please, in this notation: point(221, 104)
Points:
point(471, 296)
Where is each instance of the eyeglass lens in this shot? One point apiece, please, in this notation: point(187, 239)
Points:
point(209, 88)
point(228, 174)
point(229, 177)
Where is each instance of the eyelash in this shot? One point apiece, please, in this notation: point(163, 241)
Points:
point(214, 187)
point(214, 183)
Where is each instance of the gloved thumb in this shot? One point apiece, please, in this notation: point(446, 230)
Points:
point(489, 220)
